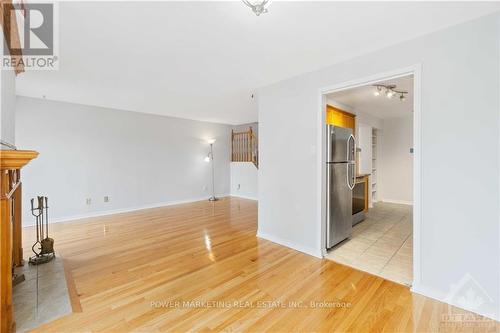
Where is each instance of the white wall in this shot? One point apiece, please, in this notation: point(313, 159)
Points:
point(395, 175)
point(138, 160)
point(7, 106)
point(459, 234)
point(244, 178)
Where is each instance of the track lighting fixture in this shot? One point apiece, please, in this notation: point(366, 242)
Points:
point(390, 91)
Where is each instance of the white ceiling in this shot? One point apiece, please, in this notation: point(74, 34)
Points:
point(363, 99)
point(203, 60)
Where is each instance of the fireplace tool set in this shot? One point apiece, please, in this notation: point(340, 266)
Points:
point(44, 245)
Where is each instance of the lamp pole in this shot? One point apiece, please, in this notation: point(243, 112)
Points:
point(213, 197)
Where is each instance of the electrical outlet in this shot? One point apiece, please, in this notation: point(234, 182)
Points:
point(205, 188)
point(106, 199)
point(88, 201)
point(239, 186)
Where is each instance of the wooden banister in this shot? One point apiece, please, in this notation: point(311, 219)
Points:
point(244, 147)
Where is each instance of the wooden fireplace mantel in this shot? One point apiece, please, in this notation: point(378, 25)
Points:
point(11, 162)
point(15, 159)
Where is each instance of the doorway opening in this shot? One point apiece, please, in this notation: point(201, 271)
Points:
point(382, 231)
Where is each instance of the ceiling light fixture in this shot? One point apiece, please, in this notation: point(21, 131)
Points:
point(390, 91)
point(258, 7)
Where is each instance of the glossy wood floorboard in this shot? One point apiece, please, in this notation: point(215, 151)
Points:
point(127, 268)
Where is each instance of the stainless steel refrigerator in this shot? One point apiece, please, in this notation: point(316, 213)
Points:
point(341, 178)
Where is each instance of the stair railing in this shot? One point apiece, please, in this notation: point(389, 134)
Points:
point(244, 147)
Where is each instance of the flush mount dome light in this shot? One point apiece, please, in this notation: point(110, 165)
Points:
point(258, 6)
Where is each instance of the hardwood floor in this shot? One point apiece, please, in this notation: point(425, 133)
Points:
point(144, 271)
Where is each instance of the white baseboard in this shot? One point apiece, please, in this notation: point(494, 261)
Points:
point(304, 249)
point(74, 218)
point(243, 197)
point(441, 297)
point(400, 202)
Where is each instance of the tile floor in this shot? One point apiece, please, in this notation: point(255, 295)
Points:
point(42, 297)
point(381, 245)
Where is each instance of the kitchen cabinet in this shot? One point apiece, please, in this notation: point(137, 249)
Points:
point(340, 118)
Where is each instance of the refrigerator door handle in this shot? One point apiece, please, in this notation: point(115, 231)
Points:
point(349, 178)
point(353, 175)
point(351, 148)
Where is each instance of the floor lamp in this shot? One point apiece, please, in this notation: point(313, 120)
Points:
point(210, 158)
